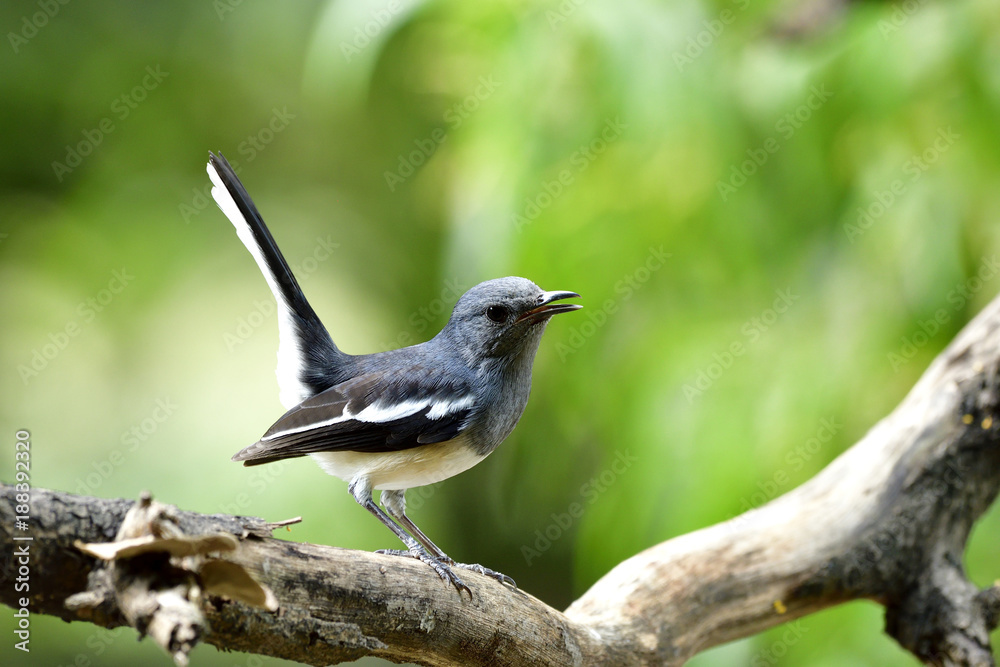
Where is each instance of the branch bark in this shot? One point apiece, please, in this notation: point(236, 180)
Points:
point(888, 520)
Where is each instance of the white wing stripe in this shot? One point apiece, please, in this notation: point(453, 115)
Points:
point(440, 409)
point(378, 413)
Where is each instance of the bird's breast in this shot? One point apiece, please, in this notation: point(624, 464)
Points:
point(403, 469)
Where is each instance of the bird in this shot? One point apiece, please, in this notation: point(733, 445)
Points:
point(404, 418)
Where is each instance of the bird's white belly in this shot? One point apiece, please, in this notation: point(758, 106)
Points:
point(405, 469)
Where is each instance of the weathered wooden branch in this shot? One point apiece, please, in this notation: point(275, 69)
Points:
point(888, 520)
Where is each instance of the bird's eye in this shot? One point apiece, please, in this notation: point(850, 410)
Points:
point(497, 314)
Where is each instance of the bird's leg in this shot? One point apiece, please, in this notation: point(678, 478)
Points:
point(395, 504)
point(361, 489)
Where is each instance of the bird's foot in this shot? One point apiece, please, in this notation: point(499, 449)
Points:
point(440, 565)
point(493, 574)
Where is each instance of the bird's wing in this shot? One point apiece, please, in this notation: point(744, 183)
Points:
point(375, 412)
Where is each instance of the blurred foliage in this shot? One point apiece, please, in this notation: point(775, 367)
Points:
point(773, 234)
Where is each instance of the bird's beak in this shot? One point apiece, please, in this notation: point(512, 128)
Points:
point(545, 307)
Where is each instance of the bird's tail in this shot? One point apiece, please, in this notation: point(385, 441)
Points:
point(307, 356)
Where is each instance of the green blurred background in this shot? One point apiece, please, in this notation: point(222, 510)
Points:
point(810, 185)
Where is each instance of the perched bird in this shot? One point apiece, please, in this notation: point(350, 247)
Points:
point(404, 418)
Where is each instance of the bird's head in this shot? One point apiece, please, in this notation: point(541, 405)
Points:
point(504, 317)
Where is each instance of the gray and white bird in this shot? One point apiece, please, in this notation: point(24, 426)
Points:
point(400, 419)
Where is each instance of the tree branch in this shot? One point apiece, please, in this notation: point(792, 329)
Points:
point(888, 520)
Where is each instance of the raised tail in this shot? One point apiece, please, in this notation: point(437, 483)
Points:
point(308, 359)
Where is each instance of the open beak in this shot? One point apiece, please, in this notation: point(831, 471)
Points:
point(546, 307)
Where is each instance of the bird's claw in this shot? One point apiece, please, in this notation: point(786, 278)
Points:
point(394, 552)
point(443, 565)
point(440, 565)
point(485, 571)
